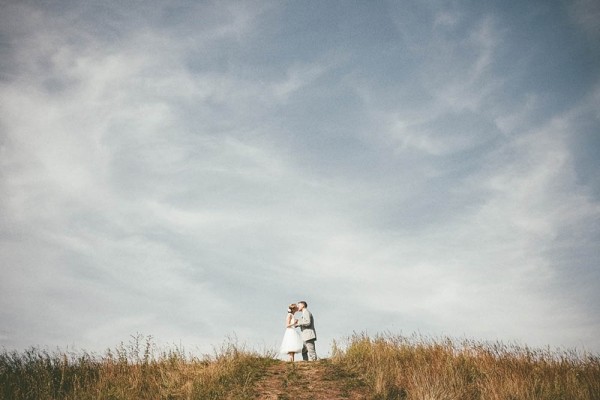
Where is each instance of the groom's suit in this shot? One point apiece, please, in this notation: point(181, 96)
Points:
point(308, 334)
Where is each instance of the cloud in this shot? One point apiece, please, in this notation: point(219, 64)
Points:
point(497, 255)
point(189, 174)
point(586, 14)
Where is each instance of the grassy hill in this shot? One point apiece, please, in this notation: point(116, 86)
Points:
point(382, 367)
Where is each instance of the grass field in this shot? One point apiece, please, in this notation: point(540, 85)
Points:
point(423, 368)
point(383, 367)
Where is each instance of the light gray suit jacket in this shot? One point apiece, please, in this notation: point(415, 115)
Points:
point(307, 326)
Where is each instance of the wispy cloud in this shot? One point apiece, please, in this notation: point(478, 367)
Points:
point(188, 174)
point(586, 14)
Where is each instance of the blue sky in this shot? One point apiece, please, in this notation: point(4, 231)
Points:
point(186, 169)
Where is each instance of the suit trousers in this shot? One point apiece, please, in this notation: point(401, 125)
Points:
point(309, 351)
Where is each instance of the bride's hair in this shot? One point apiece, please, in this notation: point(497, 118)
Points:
point(292, 307)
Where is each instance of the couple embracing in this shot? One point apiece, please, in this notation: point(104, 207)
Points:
point(305, 341)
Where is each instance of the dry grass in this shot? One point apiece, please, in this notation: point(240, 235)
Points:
point(397, 367)
point(134, 371)
point(383, 367)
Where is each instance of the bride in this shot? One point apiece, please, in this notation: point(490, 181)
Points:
point(292, 343)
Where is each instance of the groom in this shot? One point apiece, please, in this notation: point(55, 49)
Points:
point(308, 334)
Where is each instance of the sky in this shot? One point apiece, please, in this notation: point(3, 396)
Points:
point(186, 169)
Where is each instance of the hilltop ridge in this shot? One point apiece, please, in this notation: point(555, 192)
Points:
point(309, 380)
point(370, 368)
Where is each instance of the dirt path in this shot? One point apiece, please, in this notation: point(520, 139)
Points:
point(309, 380)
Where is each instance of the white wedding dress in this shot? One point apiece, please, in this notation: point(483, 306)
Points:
point(292, 343)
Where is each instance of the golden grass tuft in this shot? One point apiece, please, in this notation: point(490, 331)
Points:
point(398, 367)
point(137, 370)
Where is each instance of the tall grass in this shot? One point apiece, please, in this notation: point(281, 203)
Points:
point(398, 367)
point(391, 367)
point(137, 370)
